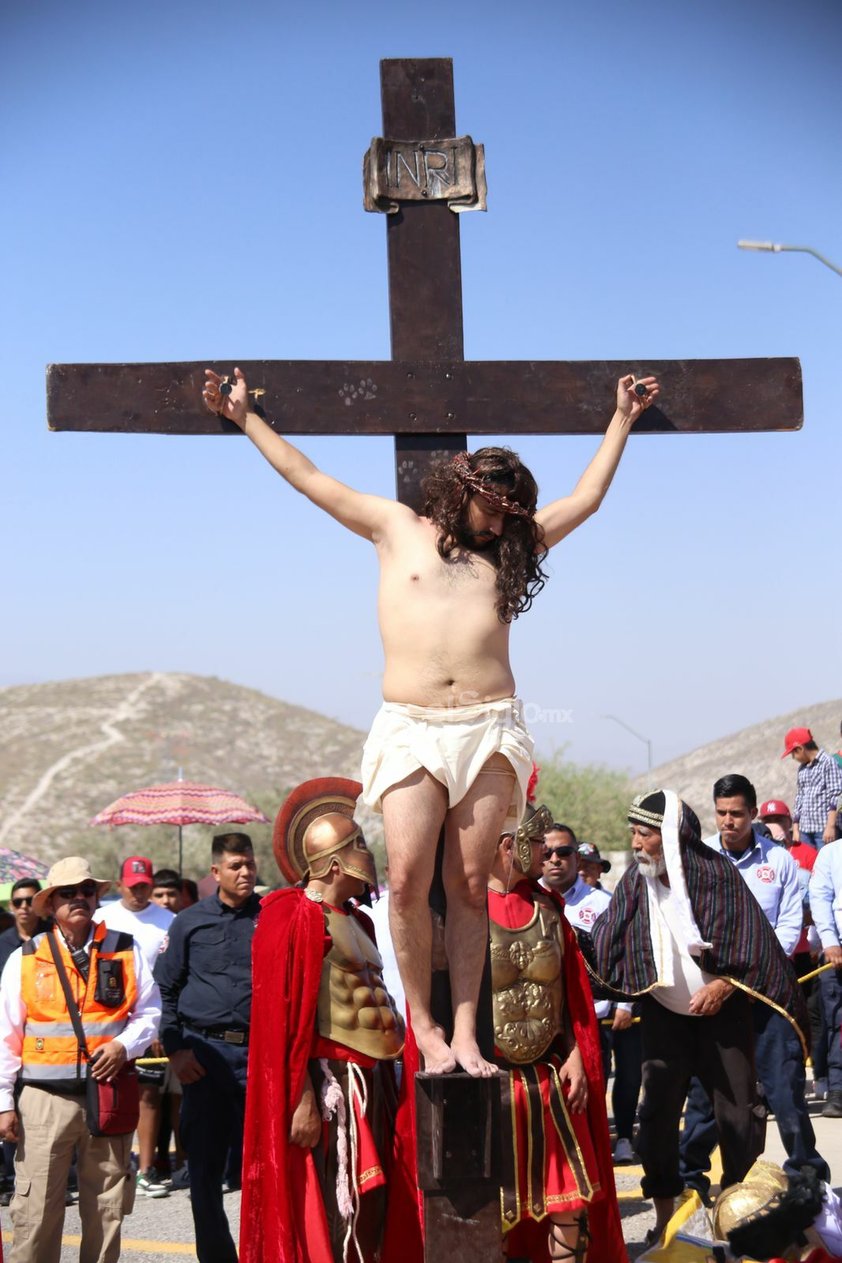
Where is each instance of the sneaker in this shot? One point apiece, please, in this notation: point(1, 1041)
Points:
point(833, 1104)
point(819, 1089)
point(624, 1155)
point(148, 1184)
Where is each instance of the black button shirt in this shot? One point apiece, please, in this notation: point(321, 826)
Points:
point(10, 940)
point(205, 972)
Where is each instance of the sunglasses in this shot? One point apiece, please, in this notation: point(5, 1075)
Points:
point(560, 851)
point(84, 888)
point(24, 901)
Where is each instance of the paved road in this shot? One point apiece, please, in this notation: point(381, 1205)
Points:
point(160, 1231)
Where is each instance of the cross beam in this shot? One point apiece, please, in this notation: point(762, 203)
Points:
point(409, 397)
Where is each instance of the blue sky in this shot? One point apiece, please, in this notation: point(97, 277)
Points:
point(182, 181)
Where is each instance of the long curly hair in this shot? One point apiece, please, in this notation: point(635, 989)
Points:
point(518, 552)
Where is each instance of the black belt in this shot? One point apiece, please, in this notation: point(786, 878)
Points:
point(220, 1033)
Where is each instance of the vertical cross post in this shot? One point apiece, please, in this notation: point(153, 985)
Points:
point(458, 1117)
point(425, 272)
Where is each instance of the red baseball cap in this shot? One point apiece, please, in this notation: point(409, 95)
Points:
point(136, 871)
point(796, 737)
point(774, 807)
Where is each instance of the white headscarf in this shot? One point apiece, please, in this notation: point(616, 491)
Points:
point(690, 934)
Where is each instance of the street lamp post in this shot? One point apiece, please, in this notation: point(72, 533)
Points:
point(775, 247)
point(639, 736)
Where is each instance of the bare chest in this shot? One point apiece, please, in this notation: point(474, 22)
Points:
point(418, 568)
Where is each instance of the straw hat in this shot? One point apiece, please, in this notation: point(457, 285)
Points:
point(71, 871)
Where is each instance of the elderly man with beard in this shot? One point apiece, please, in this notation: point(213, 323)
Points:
point(558, 1199)
point(449, 748)
point(684, 932)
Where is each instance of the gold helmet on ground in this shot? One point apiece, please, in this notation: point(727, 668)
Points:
point(736, 1204)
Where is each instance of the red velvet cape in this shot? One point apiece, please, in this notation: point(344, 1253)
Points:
point(282, 1217)
point(529, 1239)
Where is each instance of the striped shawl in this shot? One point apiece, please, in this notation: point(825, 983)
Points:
point(744, 948)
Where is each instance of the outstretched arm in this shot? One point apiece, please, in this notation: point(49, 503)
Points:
point(563, 516)
point(366, 515)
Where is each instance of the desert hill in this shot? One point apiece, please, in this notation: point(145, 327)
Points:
point(755, 752)
point(67, 749)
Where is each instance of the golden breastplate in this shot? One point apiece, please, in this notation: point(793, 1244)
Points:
point(354, 1007)
point(527, 986)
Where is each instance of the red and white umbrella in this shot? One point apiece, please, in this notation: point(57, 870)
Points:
point(180, 803)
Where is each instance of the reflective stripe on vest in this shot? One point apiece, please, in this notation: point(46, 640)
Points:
point(50, 1052)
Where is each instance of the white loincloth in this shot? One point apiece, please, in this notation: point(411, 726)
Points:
point(453, 743)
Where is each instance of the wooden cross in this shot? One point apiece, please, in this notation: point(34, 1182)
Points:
point(429, 397)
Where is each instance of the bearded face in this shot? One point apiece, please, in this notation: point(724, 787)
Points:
point(648, 850)
point(650, 866)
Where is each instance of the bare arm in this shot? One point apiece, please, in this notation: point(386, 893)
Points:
point(365, 515)
point(563, 516)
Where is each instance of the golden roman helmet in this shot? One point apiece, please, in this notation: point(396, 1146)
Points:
point(535, 823)
point(740, 1202)
point(316, 826)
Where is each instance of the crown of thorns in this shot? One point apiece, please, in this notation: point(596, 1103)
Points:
point(483, 485)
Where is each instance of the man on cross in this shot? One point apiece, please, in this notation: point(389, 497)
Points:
point(449, 747)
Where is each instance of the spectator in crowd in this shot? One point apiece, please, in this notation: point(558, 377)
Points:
point(837, 754)
point(826, 908)
point(189, 893)
point(775, 814)
point(27, 922)
point(771, 875)
point(120, 1009)
point(583, 903)
point(26, 925)
point(684, 933)
point(819, 788)
point(325, 1036)
point(205, 978)
point(166, 890)
point(148, 924)
point(591, 865)
point(557, 1193)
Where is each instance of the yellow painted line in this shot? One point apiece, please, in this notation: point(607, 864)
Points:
point(716, 1166)
point(136, 1244)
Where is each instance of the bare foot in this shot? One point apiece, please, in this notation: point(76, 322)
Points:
point(436, 1054)
point(470, 1058)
